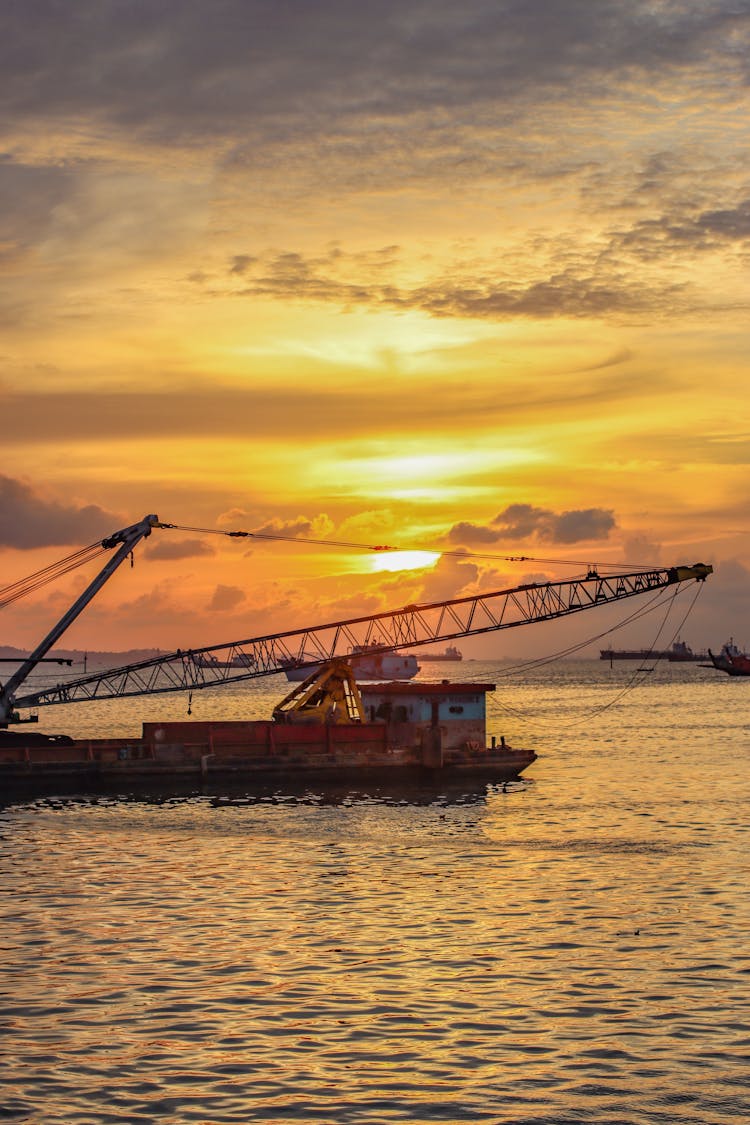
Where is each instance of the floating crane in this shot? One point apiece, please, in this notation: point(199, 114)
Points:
point(411, 626)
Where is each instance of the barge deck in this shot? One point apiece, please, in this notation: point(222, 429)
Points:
point(255, 750)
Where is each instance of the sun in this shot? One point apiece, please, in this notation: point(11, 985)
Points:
point(404, 560)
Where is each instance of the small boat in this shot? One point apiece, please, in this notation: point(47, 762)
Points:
point(448, 653)
point(731, 660)
point(366, 662)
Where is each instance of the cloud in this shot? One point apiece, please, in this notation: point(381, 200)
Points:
point(595, 285)
point(704, 230)
point(182, 549)
point(291, 528)
point(641, 550)
point(303, 527)
point(344, 97)
point(357, 407)
point(143, 124)
point(226, 598)
point(241, 263)
point(158, 613)
point(472, 534)
point(520, 522)
point(724, 605)
point(578, 526)
point(29, 520)
point(28, 198)
point(451, 577)
point(185, 69)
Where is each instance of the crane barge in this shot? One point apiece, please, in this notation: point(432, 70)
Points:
point(328, 725)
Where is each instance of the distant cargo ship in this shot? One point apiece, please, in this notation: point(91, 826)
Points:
point(449, 653)
point(679, 652)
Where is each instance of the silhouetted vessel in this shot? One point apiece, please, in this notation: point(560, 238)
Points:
point(326, 729)
point(633, 654)
point(731, 660)
point(680, 652)
point(368, 662)
point(243, 660)
point(448, 653)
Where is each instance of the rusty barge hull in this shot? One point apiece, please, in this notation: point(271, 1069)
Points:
point(255, 750)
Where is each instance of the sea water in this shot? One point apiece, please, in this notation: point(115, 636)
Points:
point(570, 948)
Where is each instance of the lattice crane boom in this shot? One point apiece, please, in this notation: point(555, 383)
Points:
point(410, 626)
point(125, 541)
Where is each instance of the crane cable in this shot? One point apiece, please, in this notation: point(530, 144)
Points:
point(25, 586)
point(634, 681)
point(636, 678)
point(642, 611)
point(21, 588)
point(386, 547)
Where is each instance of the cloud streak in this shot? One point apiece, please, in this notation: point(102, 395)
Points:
point(600, 285)
point(356, 407)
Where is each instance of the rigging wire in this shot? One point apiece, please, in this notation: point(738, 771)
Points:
point(642, 611)
point(637, 677)
point(639, 671)
point(385, 547)
point(24, 586)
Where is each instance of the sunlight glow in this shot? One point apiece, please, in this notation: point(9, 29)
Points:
point(404, 560)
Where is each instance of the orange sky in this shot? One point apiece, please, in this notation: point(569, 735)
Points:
point(415, 273)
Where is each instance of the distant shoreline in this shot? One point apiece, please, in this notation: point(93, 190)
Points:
point(90, 657)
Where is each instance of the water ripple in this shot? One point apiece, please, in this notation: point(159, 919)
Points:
point(572, 950)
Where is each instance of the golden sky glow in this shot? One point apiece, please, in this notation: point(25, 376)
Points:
point(472, 277)
point(404, 560)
